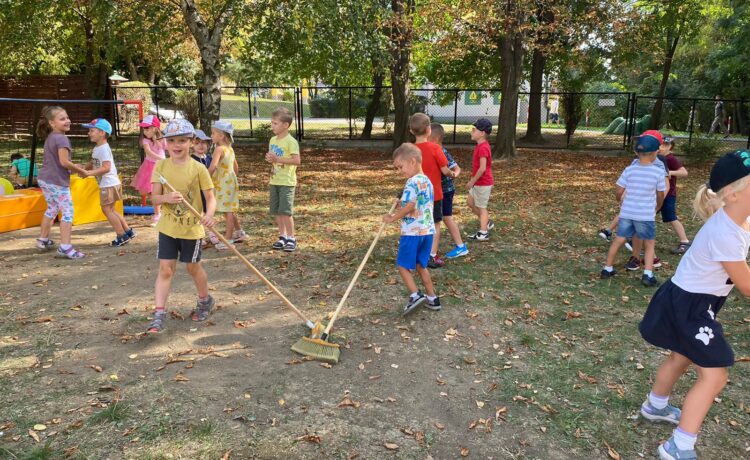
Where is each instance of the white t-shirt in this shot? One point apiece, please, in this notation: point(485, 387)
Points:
point(101, 154)
point(719, 240)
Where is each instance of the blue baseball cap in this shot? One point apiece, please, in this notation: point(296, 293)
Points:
point(483, 124)
point(99, 123)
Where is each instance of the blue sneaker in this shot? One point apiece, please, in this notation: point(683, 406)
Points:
point(458, 251)
point(669, 451)
point(669, 414)
point(130, 234)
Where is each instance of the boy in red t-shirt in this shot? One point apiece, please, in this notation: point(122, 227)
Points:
point(434, 165)
point(480, 184)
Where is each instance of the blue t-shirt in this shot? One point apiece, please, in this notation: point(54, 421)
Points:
point(641, 182)
point(447, 182)
point(418, 189)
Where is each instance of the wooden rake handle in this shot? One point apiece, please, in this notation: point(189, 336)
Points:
point(242, 258)
point(356, 275)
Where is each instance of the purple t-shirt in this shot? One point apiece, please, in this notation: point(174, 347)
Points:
point(52, 171)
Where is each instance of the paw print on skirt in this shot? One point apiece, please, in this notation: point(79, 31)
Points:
point(705, 334)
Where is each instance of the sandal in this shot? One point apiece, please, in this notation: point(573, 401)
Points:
point(71, 253)
point(203, 309)
point(44, 245)
point(221, 246)
point(157, 325)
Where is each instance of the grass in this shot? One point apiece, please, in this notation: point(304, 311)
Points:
point(237, 107)
point(115, 412)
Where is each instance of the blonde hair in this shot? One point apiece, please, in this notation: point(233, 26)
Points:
point(437, 132)
point(419, 123)
point(707, 202)
point(48, 113)
point(283, 114)
point(407, 151)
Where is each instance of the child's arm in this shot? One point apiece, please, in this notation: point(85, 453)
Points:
point(660, 199)
point(218, 154)
point(480, 171)
point(400, 213)
point(100, 171)
point(620, 194)
point(739, 273)
point(682, 172)
point(456, 170)
point(62, 155)
point(236, 167)
point(208, 216)
point(294, 159)
point(447, 171)
point(158, 197)
point(150, 152)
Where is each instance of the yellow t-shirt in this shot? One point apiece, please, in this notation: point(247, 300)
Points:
point(282, 174)
point(189, 179)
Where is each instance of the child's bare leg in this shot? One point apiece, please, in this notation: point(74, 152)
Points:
point(637, 245)
point(424, 274)
point(408, 279)
point(46, 227)
point(613, 248)
point(113, 218)
point(711, 380)
point(280, 224)
point(229, 224)
point(435, 240)
point(287, 223)
point(123, 222)
point(199, 278)
point(157, 210)
point(453, 230)
point(613, 225)
point(669, 372)
point(648, 258)
point(66, 230)
point(484, 219)
point(472, 206)
point(680, 230)
point(164, 282)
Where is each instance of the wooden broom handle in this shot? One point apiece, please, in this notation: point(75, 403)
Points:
point(356, 275)
point(239, 254)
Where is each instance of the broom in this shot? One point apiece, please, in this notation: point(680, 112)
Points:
point(320, 348)
point(316, 327)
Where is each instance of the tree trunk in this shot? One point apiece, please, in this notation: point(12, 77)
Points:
point(511, 56)
point(534, 124)
point(208, 38)
point(132, 69)
point(401, 59)
point(672, 39)
point(374, 105)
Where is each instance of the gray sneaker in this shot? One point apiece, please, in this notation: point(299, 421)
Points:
point(157, 324)
point(669, 451)
point(413, 303)
point(669, 414)
point(203, 309)
point(433, 305)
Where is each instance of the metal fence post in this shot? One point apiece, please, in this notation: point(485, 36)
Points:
point(455, 115)
point(350, 113)
point(249, 109)
point(36, 113)
point(692, 124)
point(627, 118)
point(116, 114)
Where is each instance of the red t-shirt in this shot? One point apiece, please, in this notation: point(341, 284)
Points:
point(433, 159)
point(482, 151)
point(673, 164)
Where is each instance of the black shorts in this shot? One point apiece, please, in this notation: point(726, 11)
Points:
point(187, 251)
point(448, 203)
point(685, 322)
point(437, 211)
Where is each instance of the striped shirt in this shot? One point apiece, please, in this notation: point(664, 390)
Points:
point(641, 182)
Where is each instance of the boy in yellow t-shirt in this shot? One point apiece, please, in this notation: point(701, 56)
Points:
point(283, 154)
point(180, 232)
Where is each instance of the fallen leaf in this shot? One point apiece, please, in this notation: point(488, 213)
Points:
point(34, 436)
point(573, 314)
point(95, 367)
point(613, 454)
point(499, 413)
point(587, 378)
point(480, 404)
point(282, 402)
point(311, 438)
point(464, 451)
point(181, 378)
point(40, 427)
point(133, 356)
point(469, 360)
point(391, 446)
point(348, 402)
point(326, 365)
point(227, 455)
point(372, 274)
point(242, 324)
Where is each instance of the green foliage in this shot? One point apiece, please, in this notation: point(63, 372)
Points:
point(136, 90)
point(701, 149)
point(263, 132)
point(115, 412)
point(187, 102)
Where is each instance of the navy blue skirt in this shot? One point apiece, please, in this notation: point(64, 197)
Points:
point(685, 323)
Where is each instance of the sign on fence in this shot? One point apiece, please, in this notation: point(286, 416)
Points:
point(607, 103)
point(473, 98)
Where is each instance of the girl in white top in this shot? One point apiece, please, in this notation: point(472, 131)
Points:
point(681, 316)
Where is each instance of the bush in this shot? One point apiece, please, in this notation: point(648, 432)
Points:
point(263, 132)
point(135, 90)
point(701, 150)
point(187, 102)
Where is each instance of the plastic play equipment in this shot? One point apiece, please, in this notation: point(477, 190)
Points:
point(6, 187)
point(619, 125)
point(139, 210)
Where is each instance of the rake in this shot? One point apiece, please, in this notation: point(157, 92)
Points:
point(320, 348)
point(316, 327)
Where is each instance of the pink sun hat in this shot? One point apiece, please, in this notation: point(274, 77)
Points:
point(149, 121)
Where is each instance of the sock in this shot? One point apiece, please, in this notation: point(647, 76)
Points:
point(648, 273)
point(482, 232)
point(292, 238)
point(65, 247)
point(433, 254)
point(609, 268)
point(43, 239)
point(414, 295)
point(659, 402)
point(161, 310)
point(685, 242)
point(431, 298)
point(203, 299)
point(684, 440)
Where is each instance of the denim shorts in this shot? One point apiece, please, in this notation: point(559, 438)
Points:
point(644, 230)
point(413, 250)
point(669, 209)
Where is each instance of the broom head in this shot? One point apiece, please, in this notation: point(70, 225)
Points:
point(318, 349)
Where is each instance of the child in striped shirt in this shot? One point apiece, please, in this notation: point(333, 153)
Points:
point(645, 186)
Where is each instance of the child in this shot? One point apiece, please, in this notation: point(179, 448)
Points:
point(417, 227)
point(283, 154)
point(223, 171)
point(449, 189)
point(434, 164)
point(200, 153)
point(180, 232)
point(153, 147)
point(681, 316)
point(54, 180)
point(102, 166)
point(19, 170)
point(642, 184)
point(669, 208)
point(480, 184)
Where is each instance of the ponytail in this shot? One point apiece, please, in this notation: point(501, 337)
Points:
point(48, 113)
point(707, 202)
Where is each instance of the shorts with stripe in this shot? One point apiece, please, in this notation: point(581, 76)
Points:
point(187, 251)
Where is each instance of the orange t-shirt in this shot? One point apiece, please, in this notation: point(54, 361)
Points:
point(433, 159)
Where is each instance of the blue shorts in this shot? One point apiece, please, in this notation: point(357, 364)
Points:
point(413, 250)
point(644, 230)
point(448, 203)
point(669, 209)
point(685, 323)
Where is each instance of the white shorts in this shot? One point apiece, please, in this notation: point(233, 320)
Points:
point(481, 195)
